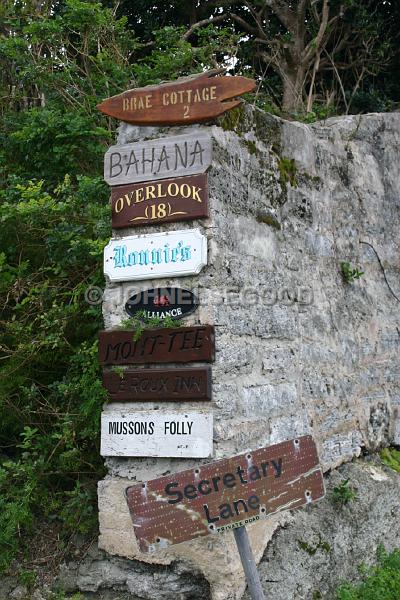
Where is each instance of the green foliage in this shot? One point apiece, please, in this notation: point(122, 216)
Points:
point(381, 582)
point(349, 272)
point(27, 578)
point(287, 171)
point(140, 322)
point(55, 222)
point(391, 458)
point(313, 549)
point(173, 56)
point(343, 493)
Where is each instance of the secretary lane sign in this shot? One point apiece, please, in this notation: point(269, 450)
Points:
point(174, 253)
point(225, 494)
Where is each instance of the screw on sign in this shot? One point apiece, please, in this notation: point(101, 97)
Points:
point(226, 495)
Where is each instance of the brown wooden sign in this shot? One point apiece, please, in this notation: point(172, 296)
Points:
point(164, 201)
point(225, 494)
point(180, 344)
point(159, 384)
point(188, 100)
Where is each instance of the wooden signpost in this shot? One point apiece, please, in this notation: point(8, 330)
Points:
point(159, 384)
point(226, 494)
point(191, 99)
point(184, 434)
point(180, 344)
point(177, 156)
point(172, 302)
point(155, 255)
point(167, 201)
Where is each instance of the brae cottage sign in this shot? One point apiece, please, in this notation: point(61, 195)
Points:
point(225, 494)
point(188, 100)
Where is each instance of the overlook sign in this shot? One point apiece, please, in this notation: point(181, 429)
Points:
point(162, 202)
point(226, 494)
point(188, 100)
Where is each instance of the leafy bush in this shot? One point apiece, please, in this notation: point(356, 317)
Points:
point(55, 67)
point(381, 582)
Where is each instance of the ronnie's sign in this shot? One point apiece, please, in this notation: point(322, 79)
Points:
point(154, 255)
point(160, 303)
point(180, 344)
point(185, 434)
point(188, 100)
point(158, 384)
point(165, 201)
point(177, 156)
point(226, 494)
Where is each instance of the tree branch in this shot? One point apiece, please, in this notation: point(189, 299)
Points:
point(244, 24)
point(313, 47)
point(202, 23)
point(284, 13)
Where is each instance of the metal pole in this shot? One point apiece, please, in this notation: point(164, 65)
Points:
point(249, 564)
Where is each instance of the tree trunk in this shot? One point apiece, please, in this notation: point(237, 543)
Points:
point(293, 83)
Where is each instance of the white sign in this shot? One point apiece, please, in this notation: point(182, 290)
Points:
point(152, 255)
point(182, 434)
point(158, 159)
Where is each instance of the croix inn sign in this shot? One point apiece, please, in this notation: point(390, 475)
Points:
point(160, 303)
point(163, 202)
point(154, 255)
point(188, 100)
point(159, 384)
point(226, 494)
point(176, 156)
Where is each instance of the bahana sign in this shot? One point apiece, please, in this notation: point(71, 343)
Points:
point(154, 255)
point(151, 160)
point(188, 100)
point(226, 494)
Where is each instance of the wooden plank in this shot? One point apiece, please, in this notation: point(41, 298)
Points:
point(172, 302)
point(225, 494)
point(155, 255)
point(181, 434)
point(165, 345)
point(164, 158)
point(192, 99)
point(171, 200)
point(158, 384)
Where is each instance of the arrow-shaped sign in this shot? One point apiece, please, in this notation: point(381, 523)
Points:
point(191, 99)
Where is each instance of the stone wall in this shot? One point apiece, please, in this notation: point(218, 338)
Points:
point(298, 350)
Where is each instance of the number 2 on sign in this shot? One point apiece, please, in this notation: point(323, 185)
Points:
point(186, 112)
